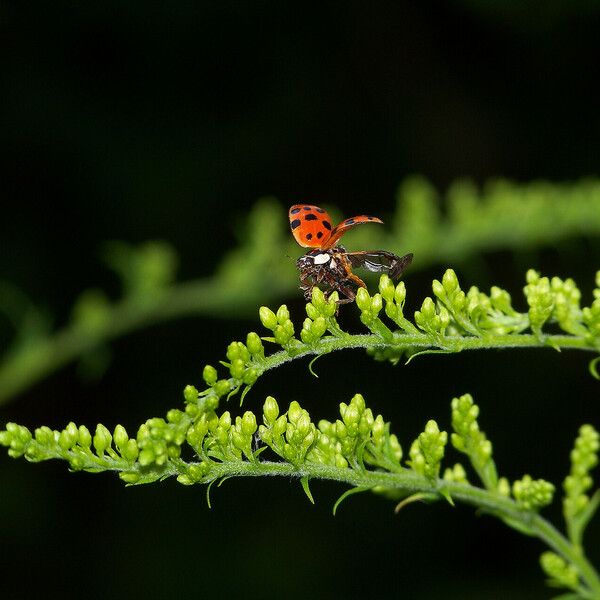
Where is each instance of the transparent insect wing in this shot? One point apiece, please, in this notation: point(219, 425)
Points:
point(339, 230)
point(380, 261)
point(310, 225)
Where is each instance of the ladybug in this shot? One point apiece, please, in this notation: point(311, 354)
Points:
point(329, 264)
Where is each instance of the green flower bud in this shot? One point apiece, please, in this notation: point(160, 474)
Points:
point(250, 376)
point(428, 308)
point(146, 457)
point(225, 420)
point(319, 327)
point(450, 282)
point(363, 300)
point(130, 451)
point(386, 288)
point(376, 304)
point(318, 299)
point(501, 300)
point(532, 495)
point(306, 334)
point(222, 387)
point(280, 426)
point(503, 487)
point(283, 314)
point(237, 368)
point(400, 294)
point(85, 437)
point(438, 289)
point(270, 410)
point(457, 473)
point(190, 393)
point(560, 572)
point(255, 345)
point(44, 435)
point(131, 477)
point(249, 425)
point(330, 309)
point(121, 438)
point(395, 448)
point(209, 374)
point(68, 437)
point(267, 318)
point(102, 439)
point(294, 412)
point(233, 351)
point(311, 311)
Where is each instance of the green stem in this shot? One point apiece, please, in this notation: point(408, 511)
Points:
point(403, 341)
point(407, 481)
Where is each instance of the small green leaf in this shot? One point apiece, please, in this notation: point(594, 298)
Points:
point(347, 494)
point(306, 488)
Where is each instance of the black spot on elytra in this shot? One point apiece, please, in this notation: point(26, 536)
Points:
point(309, 236)
point(307, 208)
point(319, 234)
point(310, 217)
point(349, 221)
point(320, 210)
point(295, 223)
point(327, 225)
point(370, 218)
point(294, 211)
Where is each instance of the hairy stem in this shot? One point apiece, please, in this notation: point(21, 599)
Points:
point(423, 341)
point(408, 481)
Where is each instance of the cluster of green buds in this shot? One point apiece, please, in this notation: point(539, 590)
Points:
point(219, 437)
point(245, 363)
point(395, 297)
point(279, 323)
point(160, 440)
point(532, 494)
point(320, 316)
point(357, 438)
point(456, 474)
point(474, 312)
point(427, 451)
point(578, 508)
point(559, 300)
point(470, 440)
point(540, 300)
point(433, 319)
point(290, 435)
point(591, 315)
point(76, 445)
point(560, 572)
point(370, 306)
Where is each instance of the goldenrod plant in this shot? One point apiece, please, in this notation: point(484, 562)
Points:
point(200, 443)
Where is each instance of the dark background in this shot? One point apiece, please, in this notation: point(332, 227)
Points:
point(136, 121)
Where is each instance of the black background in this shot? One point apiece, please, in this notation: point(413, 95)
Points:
point(136, 121)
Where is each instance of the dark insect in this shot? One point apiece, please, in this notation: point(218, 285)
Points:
point(329, 265)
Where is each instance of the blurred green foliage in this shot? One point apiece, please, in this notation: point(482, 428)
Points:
point(502, 215)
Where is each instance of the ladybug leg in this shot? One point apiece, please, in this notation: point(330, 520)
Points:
point(348, 292)
point(356, 279)
point(306, 284)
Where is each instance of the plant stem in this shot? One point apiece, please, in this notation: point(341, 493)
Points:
point(410, 482)
point(403, 341)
